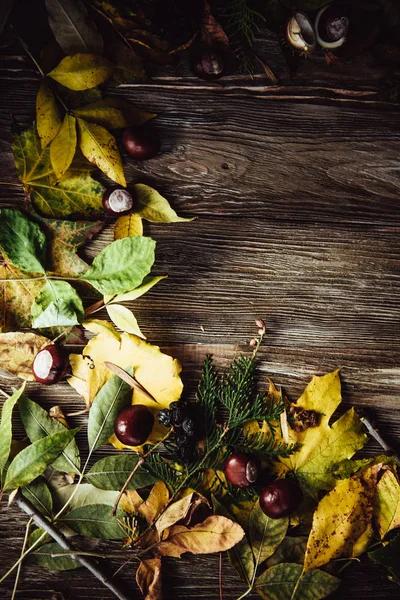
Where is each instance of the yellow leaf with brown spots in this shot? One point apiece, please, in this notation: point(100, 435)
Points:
point(387, 512)
point(48, 115)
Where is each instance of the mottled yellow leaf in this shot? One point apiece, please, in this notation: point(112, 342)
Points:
point(387, 511)
point(124, 319)
point(82, 71)
point(148, 578)
point(18, 350)
point(128, 225)
point(100, 148)
point(113, 112)
point(99, 326)
point(341, 517)
point(130, 501)
point(154, 207)
point(48, 115)
point(156, 501)
point(62, 148)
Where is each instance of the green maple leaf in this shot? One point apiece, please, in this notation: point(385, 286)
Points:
point(76, 194)
point(326, 445)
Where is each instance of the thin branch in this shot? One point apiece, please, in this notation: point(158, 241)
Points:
point(44, 524)
point(129, 380)
point(20, 564)
point(221, 591)
point(377, 436)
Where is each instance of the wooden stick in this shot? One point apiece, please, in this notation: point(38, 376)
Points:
point(129, 380)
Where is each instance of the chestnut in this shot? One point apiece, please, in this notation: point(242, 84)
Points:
point(133, 425)
point(141, 142)
point(117, 201)
point(332, 25)
point(241, 470)
point(280, 498)
point(207, 63)
point(50, 364)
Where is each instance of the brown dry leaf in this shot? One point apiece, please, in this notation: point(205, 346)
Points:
point(148, 578)
point(127, 226)
point(175, 512)
point(157, 499)
point(211, 32)
point(130, 502)
point(18, 350)
point(215, 534)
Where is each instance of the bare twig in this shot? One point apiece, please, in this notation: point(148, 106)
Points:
point(221, 592)
point(129, 380)
point(377, 436)
point(44, 524)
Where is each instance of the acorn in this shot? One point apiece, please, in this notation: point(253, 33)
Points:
point(241, 470)
point(141, 142)
point(207, 63)
point(50, 364)
point(117, 201)
point(133, 425)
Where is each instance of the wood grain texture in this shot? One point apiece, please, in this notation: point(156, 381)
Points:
point(296, 190)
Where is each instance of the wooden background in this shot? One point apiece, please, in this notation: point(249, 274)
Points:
point(296, 193)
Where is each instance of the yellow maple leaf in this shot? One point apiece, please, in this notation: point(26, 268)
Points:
point(157, 372)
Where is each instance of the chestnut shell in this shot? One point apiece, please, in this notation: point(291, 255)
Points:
point(133, 425)
point(141, 142)
point(117, 201)
point(280, 498)
point(207, 63)
point(50, 364)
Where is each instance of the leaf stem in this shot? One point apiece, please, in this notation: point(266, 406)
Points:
point(29, 53)
point(20, 564)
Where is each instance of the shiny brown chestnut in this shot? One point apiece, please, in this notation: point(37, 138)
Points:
point(280, 498)
point(207, 63)
point(241, 470)
point(141, 142)
point(50, 364)
point(133, 425)
point(117, 201)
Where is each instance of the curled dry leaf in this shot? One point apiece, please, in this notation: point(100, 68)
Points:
point(72, 28)
point(211, 32)
point(18, 350)
point(148, 578)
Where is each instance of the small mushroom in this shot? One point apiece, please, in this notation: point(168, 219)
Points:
point(300, 33)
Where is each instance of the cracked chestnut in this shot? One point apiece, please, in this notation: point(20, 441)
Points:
point(280, 498)
point(133, 425)
point(141, 142)
point(50, 364)
point(241, 470)
point(207, 63)
point(117, 201)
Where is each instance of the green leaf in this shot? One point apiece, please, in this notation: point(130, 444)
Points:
point(290, 550)
point(124, 319)
point(38, 424)
point(111, 472)
point(389, 556)
point(113, 112)
point(33, 460)
point(48, 116)
point(100, 148)
point(122, 265)
point(146, 285)
point(57, 304)
point(43, 556)
point(287, 580)
point(6, 427)
point(76, 193)
point(153, 207)
point(23, 242)
point(82, 495)
point(72, 28)
point(94, 520)
point(63, 146)
point(265, 534)
point(111, 399)
point(38, 493)
point(82, 71)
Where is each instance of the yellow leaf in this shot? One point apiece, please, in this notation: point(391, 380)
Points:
point(48, 116)
point(128, 225)
point(215, 534)
point(154, 207)
point(100, 148)
point(323, 446)
point(387, 512)
point(130, 502)
point(62, 148)
point(175, 512)
point(18, 351)
point(148, 578)
point(156, 501)
point(341, 517)
point(113, 113)
point(99, 326)
point(82, 71)
point(124, 319)
point(158, 373)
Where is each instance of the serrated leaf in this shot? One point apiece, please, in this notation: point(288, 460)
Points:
point(111, 472)
point(124, 319)
point(23, 241)
point(287, 580)
point(38, 425)
point(215, 534)
point(75, 194)
point(82, 495)
point(43, 556)
point(146, 285)
point(48, 115)
point(94, 520)
point(154, 207)
point(72, 28)
point(100, 148)
point(38, 493)
point(18, 351)
point(82, 71)
point(57, 305)
point(290, 550)
point(6, 426)
point(63, 146)
point(387, 510)
point(113, 112)
point(111, 399)
point(33, 460)
point(265, 534)
point(122, 265)
point(340, 518)
point(127, 226)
